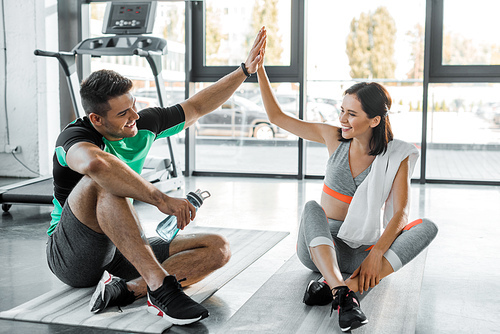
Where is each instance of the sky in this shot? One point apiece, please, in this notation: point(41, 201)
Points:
point(471, 20)
point(329, 23)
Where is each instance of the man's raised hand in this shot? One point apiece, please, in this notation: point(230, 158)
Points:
point(255, 55)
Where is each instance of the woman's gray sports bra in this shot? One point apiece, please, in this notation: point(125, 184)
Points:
point(339, 182)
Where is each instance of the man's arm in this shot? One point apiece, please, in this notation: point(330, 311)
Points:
point(117, 178)
point(212, 97)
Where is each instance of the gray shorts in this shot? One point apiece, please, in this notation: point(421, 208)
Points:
point(78, 255)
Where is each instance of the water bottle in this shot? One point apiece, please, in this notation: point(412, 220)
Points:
point(167, 229)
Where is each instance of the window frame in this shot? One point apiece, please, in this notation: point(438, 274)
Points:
point(196, 71)
point(434, 72)
point(440, 73)
point(199, 72)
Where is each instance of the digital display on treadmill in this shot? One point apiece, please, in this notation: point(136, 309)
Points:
point(131, 16)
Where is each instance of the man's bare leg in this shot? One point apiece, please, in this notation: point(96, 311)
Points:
point(192, 256)
point(115, 216)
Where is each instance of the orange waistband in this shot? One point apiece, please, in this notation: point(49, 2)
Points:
point(337, 195)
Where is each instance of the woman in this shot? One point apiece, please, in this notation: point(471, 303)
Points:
point(344, 233)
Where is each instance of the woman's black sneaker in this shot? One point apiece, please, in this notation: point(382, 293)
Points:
point(171, 303)
point(317, 293)
point(346, 303)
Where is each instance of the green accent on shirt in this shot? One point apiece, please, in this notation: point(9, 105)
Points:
point(56, 216)
point(133, 151)
point(61, 156)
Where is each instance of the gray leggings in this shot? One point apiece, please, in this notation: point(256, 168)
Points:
point(316, 229)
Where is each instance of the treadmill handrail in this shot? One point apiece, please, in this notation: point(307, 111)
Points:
point(23, 183)
point(66, 59)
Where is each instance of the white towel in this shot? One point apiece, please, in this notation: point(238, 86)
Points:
point(363, 224)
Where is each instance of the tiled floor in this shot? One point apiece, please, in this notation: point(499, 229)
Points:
point(461, 280)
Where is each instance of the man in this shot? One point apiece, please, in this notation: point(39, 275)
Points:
point(95, 235)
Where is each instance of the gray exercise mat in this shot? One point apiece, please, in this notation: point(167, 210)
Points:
point(277, 306)
point(69, 306)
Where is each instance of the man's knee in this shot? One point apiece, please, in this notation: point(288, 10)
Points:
point(85, 192)
point(220, 249)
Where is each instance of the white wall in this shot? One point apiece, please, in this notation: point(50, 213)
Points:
point(29, 86)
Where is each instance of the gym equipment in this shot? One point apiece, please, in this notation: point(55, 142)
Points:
point(128, 21)
point(33, 191)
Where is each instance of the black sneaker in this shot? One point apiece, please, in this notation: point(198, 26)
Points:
point(346, 303)
point(110, 291)
point(318, 293)
point(171, 303)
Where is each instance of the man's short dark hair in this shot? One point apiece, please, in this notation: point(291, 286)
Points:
point(99, 88)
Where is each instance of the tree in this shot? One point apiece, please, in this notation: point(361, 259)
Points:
point(495, 54)
point(459, 50)
point(213, 35)
point(358, 47)
point(265, 12)
point(417, 38)
point(174, 22)
point(370, 45)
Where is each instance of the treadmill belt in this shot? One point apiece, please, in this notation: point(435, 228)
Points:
point(40, 192)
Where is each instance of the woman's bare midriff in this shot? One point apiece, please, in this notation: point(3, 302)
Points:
point(334, 208)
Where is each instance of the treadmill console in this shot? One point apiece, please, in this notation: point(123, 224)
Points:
point(129, 18)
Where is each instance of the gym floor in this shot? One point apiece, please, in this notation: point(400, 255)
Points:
point(460, 287)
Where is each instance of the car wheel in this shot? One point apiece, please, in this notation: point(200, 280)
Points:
point(263, 131)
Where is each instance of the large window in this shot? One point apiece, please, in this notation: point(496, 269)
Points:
point(441, 65)
point(371, 41)
point(463, 132)
point(238, 137)
point(463, 45)
point(463, 107)
point(470, 32)
point(230, 28)
point(224, 31)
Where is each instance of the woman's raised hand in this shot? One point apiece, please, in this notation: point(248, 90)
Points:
point(256, 55)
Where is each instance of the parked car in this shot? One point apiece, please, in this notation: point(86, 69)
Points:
point(490, 111)
point(238, 117)
point(318, 110)
point(145, 102)
point(150, 96)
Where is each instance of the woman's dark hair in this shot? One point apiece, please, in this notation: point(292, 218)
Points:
point(375, 101)
point(99, 88)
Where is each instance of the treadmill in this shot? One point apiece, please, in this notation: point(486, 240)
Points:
point(128, 21)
